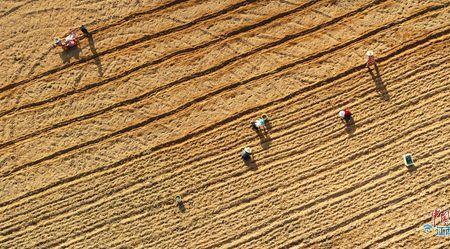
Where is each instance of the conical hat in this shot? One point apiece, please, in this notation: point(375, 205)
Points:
point(369, 53)
point(248, 150)
point(342, 114)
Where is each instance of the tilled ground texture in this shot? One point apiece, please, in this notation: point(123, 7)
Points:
point(96, 142)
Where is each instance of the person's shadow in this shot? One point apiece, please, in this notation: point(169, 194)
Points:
point(181, 206)
point(251, 164)
point(350, 126)
point(96, 56)
point(264, 139)
point(67, 55)
point(380, 87)
point(412, 168)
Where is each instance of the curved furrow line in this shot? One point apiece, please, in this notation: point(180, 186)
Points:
point(221, 123)
point(289, 182)
point(274, 131)
point(374, 210)
point(34, 222)
point(312, 172)
point(403, 230)
point(81, 118)
point(283, 222)
point(83, 234)
point(201, 46)
point(240, 212)
point(176, 82)
point(138, 14)
point(14, 9)
point(215, 156)
point(373, 217)
point(229, 88)
point(408, 198)
point(129, 44)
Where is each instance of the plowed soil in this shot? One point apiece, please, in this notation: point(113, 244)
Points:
point(96, 142)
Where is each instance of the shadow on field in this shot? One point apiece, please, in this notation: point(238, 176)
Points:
point(97, 58)
point(379, 84)
point(350, 127)
point(67, 55)
point(251, 164)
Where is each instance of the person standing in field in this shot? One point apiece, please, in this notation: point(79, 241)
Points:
point(85, 31)
point(371, 61)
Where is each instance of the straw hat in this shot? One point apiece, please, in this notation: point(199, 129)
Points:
point(369, 53)
point(248, 150)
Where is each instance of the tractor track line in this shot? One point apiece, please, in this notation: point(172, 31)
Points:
point(304, 177)
point(128, 215)
point(136, 15)
point(142, 180)
point(27, 225)
point(231, 87)
point(347, 230)
point(410, 74)
point(233, 33)
point(129, 44)
point(14, 9)
point(374, 186)
point(306, 206)
point(372, 210)
point(216, 125)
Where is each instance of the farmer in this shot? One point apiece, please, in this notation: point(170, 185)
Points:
point(84, 30)
point(254, 126)
point(260, 124)
point(71, 39)
point(346, 115)
point(58, 42)
point(370, 59)
point(69, 42)
point(246, 154)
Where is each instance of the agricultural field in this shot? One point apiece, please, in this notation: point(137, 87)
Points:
point(97, 140)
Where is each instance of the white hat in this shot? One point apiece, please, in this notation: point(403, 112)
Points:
point(248, 150)
point(342, 114)
point(369, 53)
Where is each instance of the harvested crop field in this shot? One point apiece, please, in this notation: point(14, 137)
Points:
point(96, 141)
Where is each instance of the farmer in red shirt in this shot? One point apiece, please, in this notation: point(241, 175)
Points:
point(346, 115)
